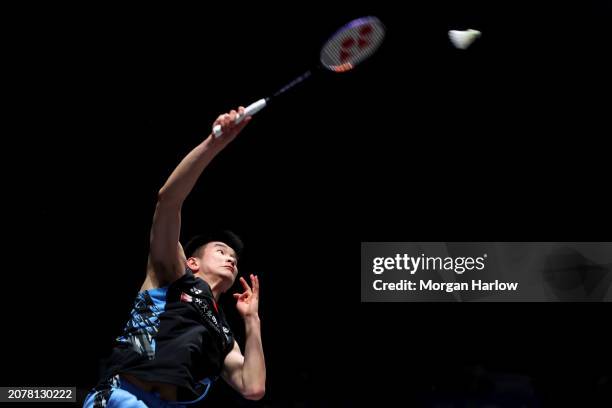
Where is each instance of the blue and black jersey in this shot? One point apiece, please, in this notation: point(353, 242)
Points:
point(176, 334)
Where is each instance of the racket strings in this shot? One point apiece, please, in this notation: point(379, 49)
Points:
point(353, 44)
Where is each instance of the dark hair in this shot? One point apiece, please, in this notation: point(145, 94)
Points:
point(226, 236)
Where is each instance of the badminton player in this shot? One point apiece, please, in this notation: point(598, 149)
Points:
point(177, 341)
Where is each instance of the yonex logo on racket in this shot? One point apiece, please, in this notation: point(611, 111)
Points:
point(352, 44)
point(361, 42)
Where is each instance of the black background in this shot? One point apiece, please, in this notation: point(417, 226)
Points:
point(505, 141)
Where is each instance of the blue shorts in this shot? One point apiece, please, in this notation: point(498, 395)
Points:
point(123, 394)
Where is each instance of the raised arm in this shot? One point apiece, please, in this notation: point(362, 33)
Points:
point(166, 257)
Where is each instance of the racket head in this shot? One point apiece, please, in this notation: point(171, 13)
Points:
point(352, 44)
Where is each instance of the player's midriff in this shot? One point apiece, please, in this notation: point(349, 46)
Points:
point(166, 391)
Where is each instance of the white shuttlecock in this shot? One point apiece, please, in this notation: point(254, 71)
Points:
point(462, 39)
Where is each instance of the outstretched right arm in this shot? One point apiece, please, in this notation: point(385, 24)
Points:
point(166, 258)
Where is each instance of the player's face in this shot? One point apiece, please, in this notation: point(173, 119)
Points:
point(221, 260)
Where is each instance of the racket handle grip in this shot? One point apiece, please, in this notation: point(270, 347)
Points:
point(248, 111)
